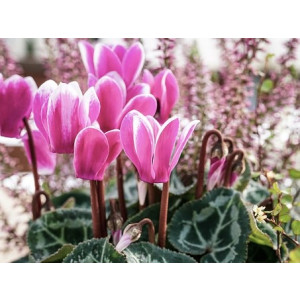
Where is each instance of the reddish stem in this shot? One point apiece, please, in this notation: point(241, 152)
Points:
point(120, 185)
point(230, 160)
point(151, 193)
point(201, 167)
point(36, 201)
point(162, 231)
point(95, 210)
point(101, 205)
point(151, 229)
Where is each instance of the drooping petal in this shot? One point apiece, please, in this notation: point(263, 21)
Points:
point(87, 55)
point(120, 50)
point(166, 90)
point(63, 119)
point(111, 100)
point(184, 137)
point(90, 153)
point(114, 148)
point(132, 63)
point(46, 160)
point(117, 236)
point(165, 142)
point(148, 78)
point(142, 191)
point(124, 242)
point(138, 141)
point(215, 173)
point(105, 61)
point(145, 104)
point(137, 89)
point(16, 97)
point(40, 104)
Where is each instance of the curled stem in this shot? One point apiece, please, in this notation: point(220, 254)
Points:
point(120, 185)
point(237, 154)
point(201, 166)
point(162, 231)
point(35, 203)
point(230, 144)
point(151, 229)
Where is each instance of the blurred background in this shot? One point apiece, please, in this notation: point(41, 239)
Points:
point(219, 83)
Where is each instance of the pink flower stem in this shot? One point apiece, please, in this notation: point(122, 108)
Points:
point(120, 185)
point(201, 167)
point(101, 205)
point(151, 193)
point(230, 144)
point(162, 231)
point(36, 201)
point(237, 154)
point(95, 210)
point(151, 229)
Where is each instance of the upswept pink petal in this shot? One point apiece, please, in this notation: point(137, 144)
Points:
point(111, 100)
point(132, 63)
point(148, 78)
point(124, 242)
point(138, 89)
point(115, 148)
point(105, 60)
point(16, 97)
point(138, 143)
point(90, 153)
point(75, 85)
point(165, 142)
point(92, 80)
point(120, 50)
point(145, 104)
point(155, 126)
point(117, 78)
point(40, 104)
point(63, 121)
point(167, 92)
point(92, 103)
point(184, 137)
point(87, 55)
point(215, 173)
point(46, 160)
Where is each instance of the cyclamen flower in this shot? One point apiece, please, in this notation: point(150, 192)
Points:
point(94, 151)
point(46, 160)
point(150, 146)
point(102, 59)
point(61, 111)
point(16, 97)
point(113, 103)
point(164, 87)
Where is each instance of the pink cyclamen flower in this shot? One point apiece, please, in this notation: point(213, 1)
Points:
point(165, 88)
point(46, 160)
point(16, 96)
point(216, 173)
point(113, 103)
point(102, 59)
point(94, 151)
point(151, 146)
point(61, 111)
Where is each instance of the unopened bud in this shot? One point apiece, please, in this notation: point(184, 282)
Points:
point(115, 222)
point(239, 166)
point(219, 150)
point(131, 233)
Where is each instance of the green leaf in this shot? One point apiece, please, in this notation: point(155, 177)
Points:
point(296, 227)
point(278, 228)
point(286, 199)
point(55, 229)
point(244, 179)
point(267, 86)
point(145, 252)
point(216, 226)
point(152, 212)
point(295, 255)
point(295, 174)
point(255, 193)
point(293, 71)
point(95, 251)
point(277, 209)
point(284, 215)
point(275, 190)
point(81, 199)
point(60, 254)
point(176, 186)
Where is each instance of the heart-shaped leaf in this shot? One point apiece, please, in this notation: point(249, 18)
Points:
point(255, 193)
point(145, 252)
point(244, 179)
point(60, 254)
point(55, 229)
point(216, 226)
point(95, 251)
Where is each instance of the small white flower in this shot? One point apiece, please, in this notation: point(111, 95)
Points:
point(258, 211)
point(261, 219)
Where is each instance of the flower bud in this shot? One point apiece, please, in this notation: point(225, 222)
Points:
point(219, 150)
